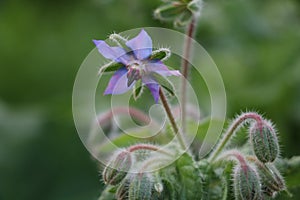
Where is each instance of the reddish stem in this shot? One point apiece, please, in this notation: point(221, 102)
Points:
point(235, 125)
point(185, 69)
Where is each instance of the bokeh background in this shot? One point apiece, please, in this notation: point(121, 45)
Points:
point(255, 44)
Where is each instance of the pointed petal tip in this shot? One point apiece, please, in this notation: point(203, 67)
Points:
point(107, 91)
point(176, 72)
point(97, 42)
point(141, 45)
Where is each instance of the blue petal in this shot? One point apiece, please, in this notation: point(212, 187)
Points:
point(141, 45)
point(118, 83)
point(153, 87)
point(161, 69)
point(116, 54)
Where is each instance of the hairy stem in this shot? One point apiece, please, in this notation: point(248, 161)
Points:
point(185, 69)
point(171, 119)
point(237, 156)
point(154, 162)
point(232, 129)
point(148, 147)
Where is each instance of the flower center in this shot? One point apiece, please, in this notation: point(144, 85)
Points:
point(136, 70)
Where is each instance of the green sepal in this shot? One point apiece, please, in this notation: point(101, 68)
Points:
point(138, 89)
point(110, 67)
point(164, 82)
point(160, 54)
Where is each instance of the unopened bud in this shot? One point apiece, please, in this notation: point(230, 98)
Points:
point(183, 19)
point(141, 187)
point(117, 168)
point(246, 183)
point(264, 141)
point(122, 191)
point(195, 7)
point(169, 11)
point(272, 181)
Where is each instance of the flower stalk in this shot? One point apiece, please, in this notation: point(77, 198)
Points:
point(237, 123)
point(177, 132)
point(185, 68)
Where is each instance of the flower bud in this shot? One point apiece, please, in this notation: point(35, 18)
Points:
point(122, 191)
point(169, 11)
point(141, 187)
point(183, 19)
point(272, 181)
point(117, 168)
point(195, 7)
point(246, 183)
point(264, 141)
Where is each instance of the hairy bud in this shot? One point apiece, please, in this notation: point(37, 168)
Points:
point(272, 181)
point(122, 191)
point(246, 183)
point(142, 186)
point(169, 11)
point(117, 168)
point(264, 141)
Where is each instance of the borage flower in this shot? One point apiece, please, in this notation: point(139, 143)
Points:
point(138, 66)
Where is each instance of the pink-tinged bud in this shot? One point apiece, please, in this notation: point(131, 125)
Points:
point(246, 183)
point(117, 168)
point(264, 141)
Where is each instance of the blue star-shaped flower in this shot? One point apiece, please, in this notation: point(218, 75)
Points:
point(137, 65)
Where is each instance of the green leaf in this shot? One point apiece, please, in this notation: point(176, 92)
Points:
point(190, 178)
point(164, 82)
point(172, 186)
point(110, 67)
point(290, 169)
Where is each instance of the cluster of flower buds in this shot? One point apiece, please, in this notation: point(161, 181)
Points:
point(127, 171)
point(260, 178)
point(135, 64)
point(181, 12)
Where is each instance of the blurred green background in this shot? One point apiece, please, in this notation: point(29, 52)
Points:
point(256, 45)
